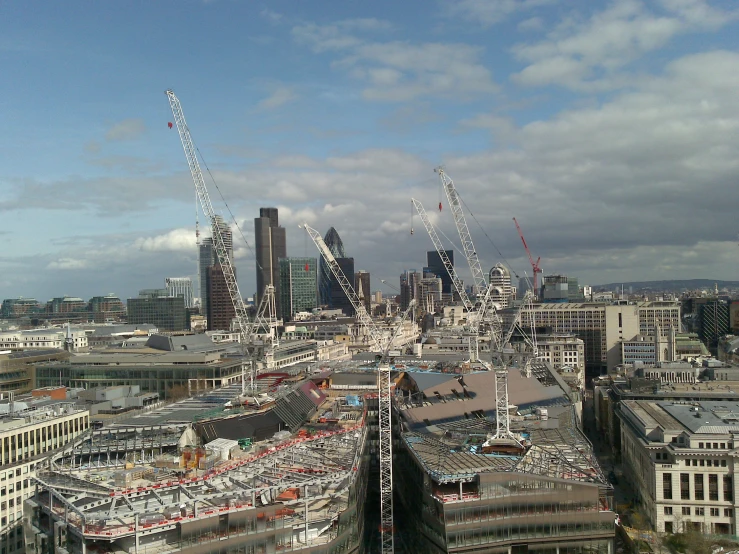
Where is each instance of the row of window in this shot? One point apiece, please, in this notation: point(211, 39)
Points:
point(700, 511)
point(698, 487)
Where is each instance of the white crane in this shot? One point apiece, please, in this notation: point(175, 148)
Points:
point(383, 344)
point(247, 332)
point(455, 204)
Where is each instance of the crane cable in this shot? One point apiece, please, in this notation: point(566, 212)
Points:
point(233, 218)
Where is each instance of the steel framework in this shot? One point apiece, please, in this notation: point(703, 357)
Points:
point(384, 389)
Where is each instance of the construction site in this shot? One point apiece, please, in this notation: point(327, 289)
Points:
point(389, 453)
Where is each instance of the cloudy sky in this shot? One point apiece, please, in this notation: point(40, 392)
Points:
point(609, 129)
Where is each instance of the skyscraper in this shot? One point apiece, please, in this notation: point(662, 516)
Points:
point(298, 286)
point(207, 258)
point(221, 310)
point(271, 244)
point(180, 286)
point(436, 266)
point(338, 298)
point(336, 246)
point(155, 307)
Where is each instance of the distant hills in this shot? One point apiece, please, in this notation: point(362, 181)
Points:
point(676, 285)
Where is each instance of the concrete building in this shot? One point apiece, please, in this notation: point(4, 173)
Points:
point(298, 286)
point(153, 306)
point(180, 286)
point(680, 459)
point(221, 312)
point(270, 245)
point(17, 369)
point(603, 327)
point(30, 428)
point(66, 305)
point(43, 339)
point(554, 288)
point(503, 292)
point(562, 350)
point(336, 246)
point(107, 308)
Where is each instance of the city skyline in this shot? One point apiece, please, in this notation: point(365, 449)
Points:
point(608, 131)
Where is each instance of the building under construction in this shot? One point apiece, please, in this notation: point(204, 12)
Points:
point(295, 479)
point(298, 473)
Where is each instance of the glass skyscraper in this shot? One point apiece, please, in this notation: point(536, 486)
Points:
point(298, 286)
point(336, 246)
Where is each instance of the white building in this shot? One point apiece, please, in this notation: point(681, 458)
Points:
point(42, 338)
point(29, 429)
point(180, 286)
point(681, 460)
point(503, 292)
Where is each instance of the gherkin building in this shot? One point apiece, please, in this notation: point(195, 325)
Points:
point(333, 241)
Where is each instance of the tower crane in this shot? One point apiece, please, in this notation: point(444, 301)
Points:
point(534, 264)
point(247, 332)
point(383, 345)
point(478, 276)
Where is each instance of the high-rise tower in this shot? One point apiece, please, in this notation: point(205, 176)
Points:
point(207, 258)
point(271, 245)
point(334, 243)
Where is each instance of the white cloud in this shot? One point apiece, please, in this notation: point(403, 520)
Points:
point(400, 71)
point(490, 12)
point(531, 24)
point(65, 264)
point(128, 129)
point(271, 16)
point(279, 97)
point(176, 240)
point(590, 54)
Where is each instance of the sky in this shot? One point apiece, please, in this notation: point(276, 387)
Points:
point(609, 129)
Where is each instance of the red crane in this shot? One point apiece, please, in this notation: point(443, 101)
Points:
point(534, 264)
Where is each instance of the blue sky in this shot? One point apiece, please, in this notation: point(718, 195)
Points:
point(609, 129)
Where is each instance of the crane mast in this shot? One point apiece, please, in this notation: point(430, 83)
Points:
point(534, 264)
point(455, 204)
point(382, 343)
point(224, 260)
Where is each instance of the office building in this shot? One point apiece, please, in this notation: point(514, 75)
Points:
point(30, 428)
point(680, 460)
point(555, 288)
point(18, 307)
point(270, 244)
point(363, 290)
point(180, 286)
point(221, 310)
point(713, 322)
point(208, 257)
point(298, 286)
point(503, 292)
point(336, 246)
point(436, 267)
point(155, 307)
point(106, 308)
point(338, 298)
point(17, 368)
point(66, 305)
point(408, 286)
point(603, 327)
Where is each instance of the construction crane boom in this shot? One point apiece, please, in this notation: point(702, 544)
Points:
point(455, 204)
point(534, 264)
point(384, 390)
point(224, 260)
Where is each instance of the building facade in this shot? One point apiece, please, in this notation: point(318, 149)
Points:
point(500, 281)
point(436, 267)
point(18, 307)
point(30, 429)
point(298, 286)
point(339, 299)
point(221, 310)
point(270, 245)
point(166, 312)
point(336, 246)
point(680, 458)
point(180, 286)
point(362, 287)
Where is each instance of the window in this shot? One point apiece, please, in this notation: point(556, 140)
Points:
point(712, 486)
point(698, 485)
point(700, 445)
point(728, 512)
point(728, 488)
point(686, 510)
point(685, 486)
point(668, 510)
point(714, 512)
point(700, 511)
